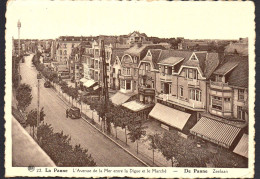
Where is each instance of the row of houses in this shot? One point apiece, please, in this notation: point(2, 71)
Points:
point(192, 92)
point(197, 93)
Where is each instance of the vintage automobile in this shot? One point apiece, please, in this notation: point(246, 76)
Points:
point(73, 113)
point(47, 84)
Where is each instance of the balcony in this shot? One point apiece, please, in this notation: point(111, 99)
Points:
point(193, 83)
point(165, 77)
point(186, 103)
point(218, 112)
point(220, 86)
point(146, 91)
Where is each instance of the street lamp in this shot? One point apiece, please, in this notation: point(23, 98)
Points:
point(39, 76)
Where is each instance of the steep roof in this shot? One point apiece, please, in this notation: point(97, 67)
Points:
point(226, 67)
point(137, 50)
point(117, 53)
point(239, 75)
point(155, 56)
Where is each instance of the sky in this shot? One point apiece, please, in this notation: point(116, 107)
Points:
point(193, 20)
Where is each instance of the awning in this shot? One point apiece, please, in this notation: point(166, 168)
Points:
point(135, 106)
point(89, 83)
point(215, 131)
point(242, 146)
point(96, 87)
point(170, 116)
point(120, 98)
point(83, 80)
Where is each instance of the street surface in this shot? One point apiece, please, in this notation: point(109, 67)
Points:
point(104, 151)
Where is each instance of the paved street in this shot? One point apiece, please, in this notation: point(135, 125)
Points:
point(104, 152)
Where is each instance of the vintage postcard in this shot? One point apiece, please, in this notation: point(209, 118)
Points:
point(140, 89)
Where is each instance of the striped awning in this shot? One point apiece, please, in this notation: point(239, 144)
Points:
point(215, 131)
point(170, 116)
point(242, 146)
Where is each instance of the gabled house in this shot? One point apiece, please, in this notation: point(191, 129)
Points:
point(116, 68)
point(182, 86)
point(130, 62)
point(129, 72)
point(226, 118)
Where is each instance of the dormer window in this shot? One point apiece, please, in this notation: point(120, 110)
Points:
point(191, 73)
point(193, 57)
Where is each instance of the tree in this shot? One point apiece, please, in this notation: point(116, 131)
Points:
point(136, 130)
point(32, 118)
point(24, 96)
point(154, 140)
point(167, 146)
point(58, 147)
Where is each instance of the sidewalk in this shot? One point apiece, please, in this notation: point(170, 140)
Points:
point(143, 145)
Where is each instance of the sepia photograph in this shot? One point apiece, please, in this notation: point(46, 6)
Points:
point(147, 89)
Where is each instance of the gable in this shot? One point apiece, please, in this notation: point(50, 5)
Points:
point(193, 57)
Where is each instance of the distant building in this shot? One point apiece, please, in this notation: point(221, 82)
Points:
point(65, 44)
point(136, 37)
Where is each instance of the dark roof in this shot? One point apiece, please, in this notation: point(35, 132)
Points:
point(226, 67)
point(208, 62)
point(155, 56)
point(239, 75)
point(137, 50)
point(117, 53)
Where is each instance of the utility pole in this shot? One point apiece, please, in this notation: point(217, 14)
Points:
point(19, 26)
point(104, 76)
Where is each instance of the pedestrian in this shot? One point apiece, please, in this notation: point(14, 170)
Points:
point(67, 113)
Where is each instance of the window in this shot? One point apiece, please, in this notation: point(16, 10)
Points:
point(191, 73)
point(147, 67)
point(165, 69)
point(241, 94)
point(119, 72)
point(181, 91)
point(114, 70)
point(240, 113)
point(77, 67)
point(135, 59)
point(60, 52)
point(170, 89)
point(169, 70)
point(128, 85)
point(123, 84)
point(152, 84)
point(162, 87)
point(135, 72)
point(124, 71)
point(195, 94)
point(128, 71)
point(72, 46)
point(65, 52)
point(227, 99)
point(65, 45)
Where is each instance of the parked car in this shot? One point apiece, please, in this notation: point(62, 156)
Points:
point(47, 84)
point(73, 113)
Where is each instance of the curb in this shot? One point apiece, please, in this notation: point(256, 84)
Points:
point(108, 136)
